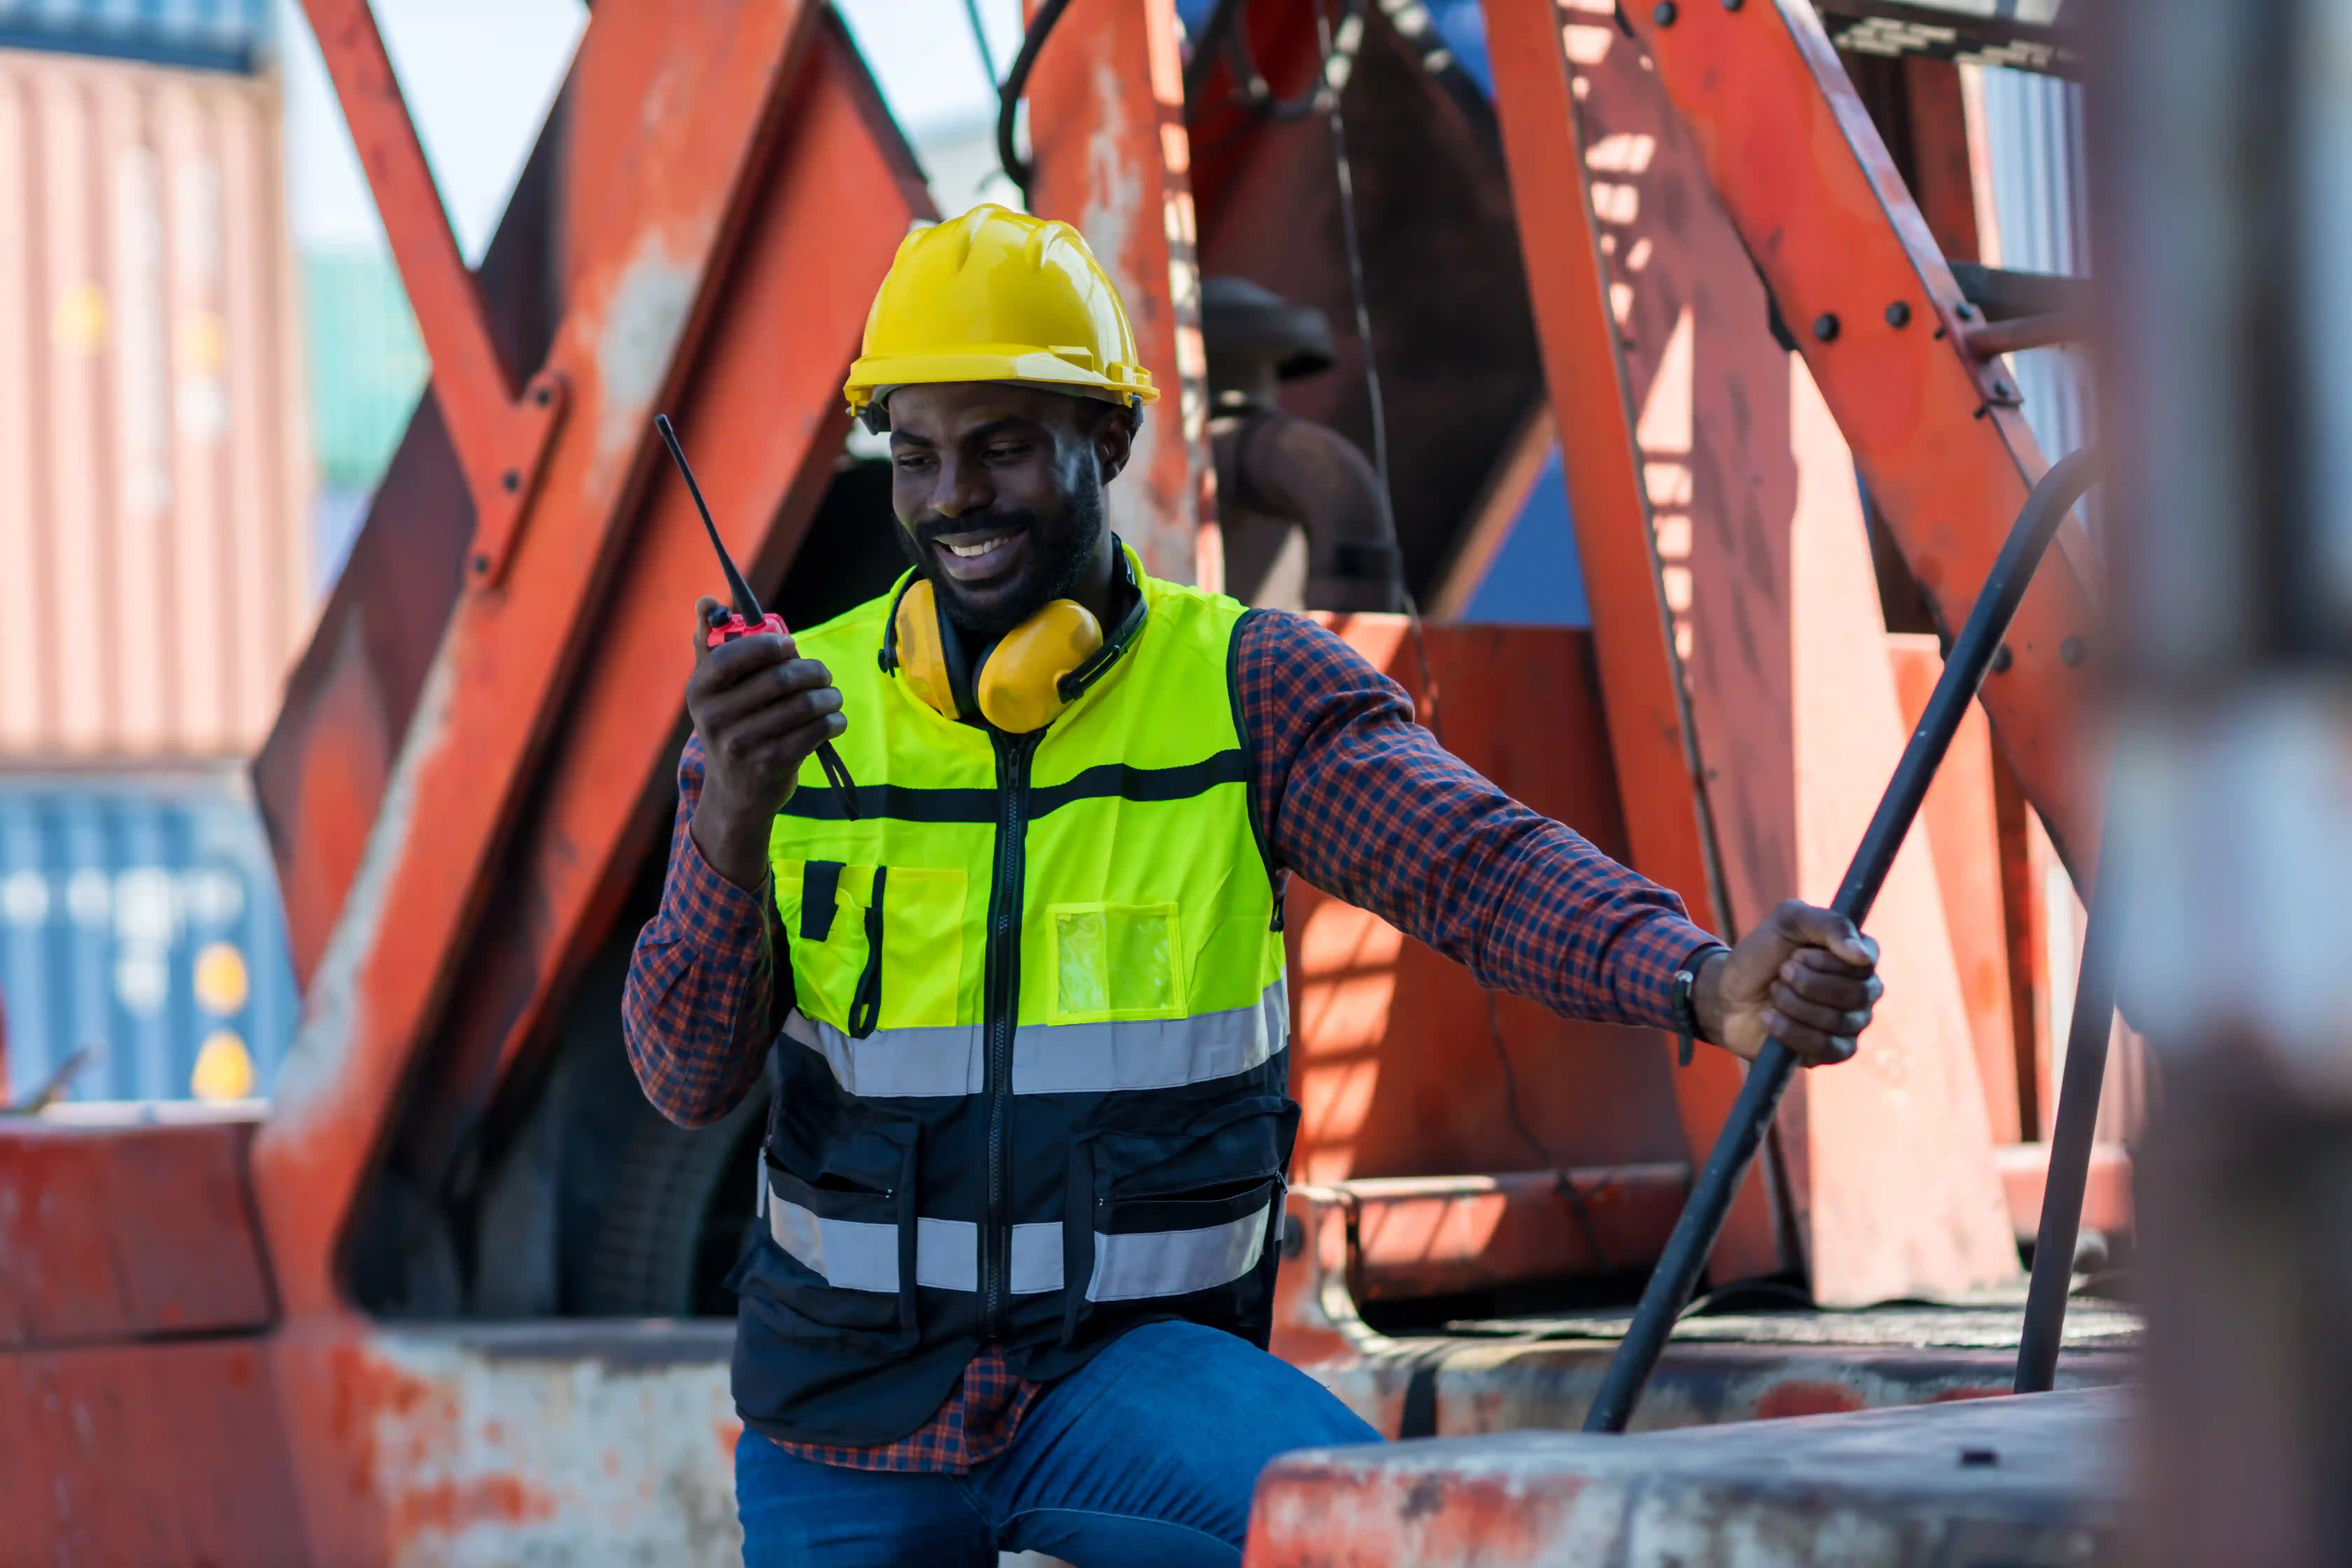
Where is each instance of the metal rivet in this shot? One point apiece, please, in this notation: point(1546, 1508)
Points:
point(542, 397)
point(511, 480)
point(1825, 326)
point(2072, 652)
point(2001, 659)
point(1898, 314)
point(2001, 388)
point(482, 565)
point(1664, 14)
point(1965, 311)
point(1978, 1458)
point(1731, 5)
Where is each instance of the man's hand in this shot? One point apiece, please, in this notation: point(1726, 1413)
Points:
point(1805, 977)
point(760, 711)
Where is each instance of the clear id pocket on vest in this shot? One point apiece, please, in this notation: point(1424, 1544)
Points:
point(1116, 960)
point(873, 947)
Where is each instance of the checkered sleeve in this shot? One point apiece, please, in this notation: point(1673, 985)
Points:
point(1356, 797)
point(696, 1011)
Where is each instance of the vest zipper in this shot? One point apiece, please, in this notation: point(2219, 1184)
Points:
point(1002, 1000)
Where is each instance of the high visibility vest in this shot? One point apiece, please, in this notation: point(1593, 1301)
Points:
point(1033, 1086)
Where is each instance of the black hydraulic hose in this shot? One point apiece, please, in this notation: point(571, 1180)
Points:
point(1971, 657)
point(1016, 82)
point(2071, 1134)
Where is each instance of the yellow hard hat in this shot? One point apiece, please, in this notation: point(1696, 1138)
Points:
point(996, 295)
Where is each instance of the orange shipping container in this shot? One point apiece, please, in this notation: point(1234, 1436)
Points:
point(155, 568)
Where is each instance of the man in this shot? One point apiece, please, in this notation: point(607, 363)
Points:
point(1026, 1149)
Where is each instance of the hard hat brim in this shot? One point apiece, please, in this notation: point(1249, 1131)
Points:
point(990, 363)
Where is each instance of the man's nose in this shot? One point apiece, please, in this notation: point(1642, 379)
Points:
point(963, 487)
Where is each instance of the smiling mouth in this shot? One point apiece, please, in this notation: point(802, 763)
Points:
point(977, 556)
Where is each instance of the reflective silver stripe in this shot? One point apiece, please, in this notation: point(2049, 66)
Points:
point(1056, 1058)
point(947, 1254)
point(1149, 1053)
point(1036, 1257)
point(905, 1062)
point(1175, 1262)
point(852, 1255)
point(861, 1255)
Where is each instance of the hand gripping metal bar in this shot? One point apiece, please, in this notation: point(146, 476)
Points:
point(1768, 1075)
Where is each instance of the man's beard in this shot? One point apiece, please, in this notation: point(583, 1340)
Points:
point(1060, 556)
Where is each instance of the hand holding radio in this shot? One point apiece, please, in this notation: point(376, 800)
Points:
point(760, 711)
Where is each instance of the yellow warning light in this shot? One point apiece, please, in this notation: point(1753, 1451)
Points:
point(224, 1068)
point(221, 980)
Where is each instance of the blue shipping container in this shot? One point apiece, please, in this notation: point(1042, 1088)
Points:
point(139, 913)
point(201, 35)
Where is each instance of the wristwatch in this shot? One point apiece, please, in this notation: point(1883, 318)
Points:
point(1686, 1013)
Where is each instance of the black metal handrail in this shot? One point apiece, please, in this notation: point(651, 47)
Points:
point(1768, 1075)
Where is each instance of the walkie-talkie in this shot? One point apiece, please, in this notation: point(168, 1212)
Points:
point(749, 619)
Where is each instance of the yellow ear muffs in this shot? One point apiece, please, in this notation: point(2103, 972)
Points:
point(921, 651)
point(1020, 683)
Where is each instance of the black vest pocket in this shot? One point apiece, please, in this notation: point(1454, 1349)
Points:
point(838, 1257)
point(1177, 1221)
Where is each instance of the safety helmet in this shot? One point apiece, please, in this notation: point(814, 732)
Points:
point(997, 294)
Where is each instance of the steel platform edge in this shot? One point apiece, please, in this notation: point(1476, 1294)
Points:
point(2031, 1482)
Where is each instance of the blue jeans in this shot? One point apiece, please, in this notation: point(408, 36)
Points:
point(1148, 1454)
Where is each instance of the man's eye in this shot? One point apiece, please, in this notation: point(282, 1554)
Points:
point(913, 463)
point(1006, 454)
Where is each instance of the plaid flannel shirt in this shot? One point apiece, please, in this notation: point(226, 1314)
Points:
point(1349, 792)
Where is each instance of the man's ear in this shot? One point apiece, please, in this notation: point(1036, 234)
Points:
point(1114, 441)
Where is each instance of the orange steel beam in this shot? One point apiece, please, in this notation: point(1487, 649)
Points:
point(1650, 732)
point(1936, 431)
point(701, 82)
point(501, 435)
point(795, 309)
point(1112, 158)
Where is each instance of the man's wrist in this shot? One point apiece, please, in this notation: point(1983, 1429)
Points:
point(1705, 967)
point(732, 843)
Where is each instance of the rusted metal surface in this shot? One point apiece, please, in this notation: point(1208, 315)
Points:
point(1935, 434)
point(1669, 832)
point(319, 778)
point(557, 1443)
point(153, 460)
point(160, 1453)
point(2037, 1482)
point(1414, 1236)
point(1964, 838)
point(1112, 158)
point(1444, 281)
point(1401, 1063)
point(500, 430)
point(1767, 580)
point(2107, 1201)
point(641, 272)
point(794, 306)
point(112, 1230)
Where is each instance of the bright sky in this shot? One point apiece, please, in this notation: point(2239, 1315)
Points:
point(479, 74)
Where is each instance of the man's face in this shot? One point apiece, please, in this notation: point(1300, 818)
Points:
point(999, 492)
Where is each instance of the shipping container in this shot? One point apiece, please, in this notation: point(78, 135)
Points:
point(139, 916)
point(198, 34)
point(367, 365)
point(156, 577)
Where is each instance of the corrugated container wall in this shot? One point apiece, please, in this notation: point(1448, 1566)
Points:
point(211, 34)
point(155, 576)
point(2033, 140)
point(139, 916)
